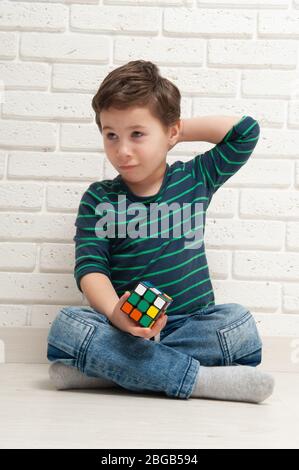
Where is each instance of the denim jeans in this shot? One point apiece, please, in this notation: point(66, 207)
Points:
point(218, 335)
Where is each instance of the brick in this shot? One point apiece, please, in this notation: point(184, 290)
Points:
point(57, 257)
point(261, 265)
point(38, 135)
point(219, 263)
point(260, 172)
point(244, 3)
point(13, 315)
point(63, 197)
point(278, 24)
point(291, 298)
point(267, 112)
point(42, 316)
point(260, 53)
point(25, 76)
point(8, 45)
point(81, 137)
point(2, 92)
point(169, 51)
point(54, 106)
point(24, 196)
point(32, 16)
point(297, 174)
point(271, 83)
point(116, 19)
point(202, 82)
point(37, 227)
point(2, 163)
point(266, 298)
point(163, 3)
point(65, 48)
point(267, 204)
point(292, 236)
point(223, 204)
point(79, 1)
point(207, 22)
point(280, 324)
point(17, 256)
point(293, 120)
point(39, 288)
point(278, 143)
point(221, 233)
point(55, 166)
point(76, 77)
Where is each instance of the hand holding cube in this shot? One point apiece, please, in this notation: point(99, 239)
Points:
point(146, 304)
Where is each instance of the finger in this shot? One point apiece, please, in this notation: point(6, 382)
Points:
point(164, 322)
point(163, 317)
point(124, 297)
point(159, 325)
point(153, 331)
point(141, 331)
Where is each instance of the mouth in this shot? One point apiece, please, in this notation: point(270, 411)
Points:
point(129, 167)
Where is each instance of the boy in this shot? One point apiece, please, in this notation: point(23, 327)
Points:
point(138, 114)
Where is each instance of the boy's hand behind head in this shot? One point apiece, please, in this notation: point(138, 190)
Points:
point(125, 323)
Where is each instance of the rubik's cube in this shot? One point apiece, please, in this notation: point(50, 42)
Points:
point(145, 304)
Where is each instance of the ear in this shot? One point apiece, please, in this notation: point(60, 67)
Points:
point(181, 127)
point(175, 134)
point(177, 131)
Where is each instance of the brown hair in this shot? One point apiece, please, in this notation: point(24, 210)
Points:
point(139, 83)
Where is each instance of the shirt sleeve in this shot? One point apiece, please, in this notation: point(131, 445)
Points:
point(218, 164)
point(92, 252)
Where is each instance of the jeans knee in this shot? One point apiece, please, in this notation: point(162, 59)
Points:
point(240, 339)
point(54, 354)
point(70, 334)
point(237, 311)
point(253, 359)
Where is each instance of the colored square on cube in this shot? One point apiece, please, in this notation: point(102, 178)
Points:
point(145, 304)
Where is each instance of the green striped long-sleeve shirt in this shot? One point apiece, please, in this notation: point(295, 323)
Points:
point(165, 247)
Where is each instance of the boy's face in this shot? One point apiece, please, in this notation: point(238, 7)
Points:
point(144, 148)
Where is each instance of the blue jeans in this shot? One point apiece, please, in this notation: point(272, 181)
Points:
point(218, 335)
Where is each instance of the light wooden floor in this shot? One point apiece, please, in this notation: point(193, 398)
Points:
point(35, 415)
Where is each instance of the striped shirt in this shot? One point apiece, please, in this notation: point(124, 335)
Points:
point(165, 258)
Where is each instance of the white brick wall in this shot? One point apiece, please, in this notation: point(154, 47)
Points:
point(227, 57)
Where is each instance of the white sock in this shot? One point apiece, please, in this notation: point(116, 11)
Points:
point(237, 383)
point(66, 377)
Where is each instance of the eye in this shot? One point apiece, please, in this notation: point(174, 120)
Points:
point(137, 132)
point(111, 133)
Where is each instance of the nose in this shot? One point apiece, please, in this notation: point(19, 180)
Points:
point(123, 154)
point(123, 147)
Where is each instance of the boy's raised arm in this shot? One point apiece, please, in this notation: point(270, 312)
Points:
point(215, 166)
point(99, 292)
point(207, 128)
